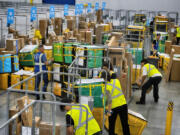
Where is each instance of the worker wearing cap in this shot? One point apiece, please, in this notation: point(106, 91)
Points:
point(40, 65)
point(155, 77)
point(178, 34)
point(116, 104)
point(76, 119)
point(108, 67)
point(155, 45)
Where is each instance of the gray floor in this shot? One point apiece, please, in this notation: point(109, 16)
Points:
point(154, 113)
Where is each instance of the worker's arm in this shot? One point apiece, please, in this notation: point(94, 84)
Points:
point(69, 130)
point(109, 99)
point(153, 47)
point(143, 79)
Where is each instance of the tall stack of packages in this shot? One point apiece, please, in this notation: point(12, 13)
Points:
point(71, 23)
point(99, 30)
point(99, 14)
point(58, 26)
point(43, 24)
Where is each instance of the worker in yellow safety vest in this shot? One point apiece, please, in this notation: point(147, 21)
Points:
point(155, 77)
point(76, 119)
point(108, 67)
point(178, 34)
point(116, 104)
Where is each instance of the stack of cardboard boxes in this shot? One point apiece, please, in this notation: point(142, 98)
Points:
point(24, 122)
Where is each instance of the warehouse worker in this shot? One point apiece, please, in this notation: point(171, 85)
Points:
point(155, 77)
point(40, 65)
point(108, 67)
point(155, 45)
point(178, 34)
point(116, 104)
point(76, 120)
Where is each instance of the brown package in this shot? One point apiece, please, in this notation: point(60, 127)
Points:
point(99, 31)
point(168, 47)
point(58, 26)
point(71, 24)
point(21, 42)
point(83, 35)
point(98, 116)
point(99, 14)
point(43, 24)
point(89, 37)
point(27, 115)
point(175, 73)
point(12, 45)
point(113, 42)
point(83, 25)
point(46, 128)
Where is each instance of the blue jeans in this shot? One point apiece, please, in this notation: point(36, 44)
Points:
point(38, 80)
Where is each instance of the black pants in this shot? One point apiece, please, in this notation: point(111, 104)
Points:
point(178, 39)
point(152, 81)
point(122, 111)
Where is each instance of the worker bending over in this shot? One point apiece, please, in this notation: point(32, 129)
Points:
point(178, 34)
point(40, 65)
point(116, 104)
point(155, 77)
point(76, 120)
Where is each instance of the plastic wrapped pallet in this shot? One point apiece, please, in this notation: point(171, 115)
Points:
point(92, 61)
point(26, 55)
point(58, 52)
point(9, 63)
point(30, 84)
point(68, 54)
point(91, 89)
point(136, 73)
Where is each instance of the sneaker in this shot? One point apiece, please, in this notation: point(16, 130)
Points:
point(140, 103)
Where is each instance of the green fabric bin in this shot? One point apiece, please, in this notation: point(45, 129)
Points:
point(58, 52)
point(27, 58)
point(68, 55)
point(96, 92)
point(95, 62)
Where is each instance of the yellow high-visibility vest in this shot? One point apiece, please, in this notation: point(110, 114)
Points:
point(115, 90)
point(151, 70)
point(178, 32)
point(78, 114)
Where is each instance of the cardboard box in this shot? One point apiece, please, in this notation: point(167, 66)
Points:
point(58, 26)
point(175, 72)
point(83, 25)
point(26, 115)
point(46, 128)
point(83, 35)
point(89, 37)
point(99, 14)
point(117, 55)
point(98, 116)
point(99, 30)
point(71, 24)
point(43, 24)
point(12, 45)
point(21, 42)
point(168, 47)
point(113, 42)
point(24, 37)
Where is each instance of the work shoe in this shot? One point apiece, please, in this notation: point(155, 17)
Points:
point(140, 103)
point(156, 100)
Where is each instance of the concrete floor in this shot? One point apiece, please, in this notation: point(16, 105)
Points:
point(154, 113)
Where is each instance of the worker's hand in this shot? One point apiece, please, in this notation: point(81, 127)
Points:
point(109, 114)
point(52, 59)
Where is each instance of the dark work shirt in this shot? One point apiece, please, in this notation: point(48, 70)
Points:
point(156, 44)
point(69, 121)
